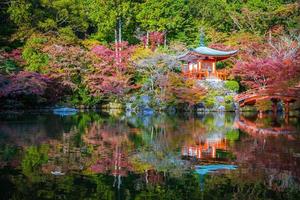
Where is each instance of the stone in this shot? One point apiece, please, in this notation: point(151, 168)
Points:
point(145, 99)
point(219, 99)
point(147, 111)
point(221, 108)
point(65, 111)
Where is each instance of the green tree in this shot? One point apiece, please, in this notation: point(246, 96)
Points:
point(48, 16)
point(111, 16)
point(167, 16)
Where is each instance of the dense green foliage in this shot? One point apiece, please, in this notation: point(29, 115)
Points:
point(180, 19)
point(232, 85)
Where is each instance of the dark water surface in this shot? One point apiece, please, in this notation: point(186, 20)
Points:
point(94, 155)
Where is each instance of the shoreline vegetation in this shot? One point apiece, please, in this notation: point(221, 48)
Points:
point(110, 54)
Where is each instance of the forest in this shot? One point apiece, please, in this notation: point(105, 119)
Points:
point(86, 53)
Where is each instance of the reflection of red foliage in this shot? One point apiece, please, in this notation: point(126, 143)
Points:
point(108, 142)
point(269, 152)
point(154, 177)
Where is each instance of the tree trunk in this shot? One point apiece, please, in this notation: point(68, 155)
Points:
point(120, 39)
point(147, 40)
point(116, 45)
point(165, 39)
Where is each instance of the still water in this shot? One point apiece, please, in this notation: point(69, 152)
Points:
point(93, 155)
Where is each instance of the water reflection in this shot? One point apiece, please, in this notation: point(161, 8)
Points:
point(132, 156)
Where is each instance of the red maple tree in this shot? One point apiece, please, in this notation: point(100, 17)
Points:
point(111, 71)
point(277, 65)
point(154, 38)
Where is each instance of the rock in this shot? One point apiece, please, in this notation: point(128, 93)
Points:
point(147, 111)
point(57, 173)
point(128, 106)
point(171, 110)
point(132, 98)
point(200, 105)
point(219, 99)
point(115, 105)
point(145, 100)
point(221, 108)
point(65, 111)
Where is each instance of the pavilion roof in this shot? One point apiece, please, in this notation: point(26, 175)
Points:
point(213, 52)
point(203, 52)
point(206, 52)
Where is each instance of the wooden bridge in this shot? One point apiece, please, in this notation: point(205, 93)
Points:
point(287, 96)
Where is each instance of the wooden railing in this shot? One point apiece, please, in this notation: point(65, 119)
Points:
point(287, 95)
point(222, 74)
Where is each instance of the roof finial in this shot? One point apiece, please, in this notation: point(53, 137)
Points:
point(202, 38)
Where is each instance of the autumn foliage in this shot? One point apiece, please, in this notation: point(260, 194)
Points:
point(111, 72)
point(276, 65)
point(27, 89)
point(154, 39)
point(177, 90)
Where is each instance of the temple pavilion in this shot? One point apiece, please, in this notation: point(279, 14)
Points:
point(201, 62)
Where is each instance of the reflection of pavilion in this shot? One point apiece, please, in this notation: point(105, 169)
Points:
point(205, 150)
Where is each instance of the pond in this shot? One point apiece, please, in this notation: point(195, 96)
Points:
point(98, 155)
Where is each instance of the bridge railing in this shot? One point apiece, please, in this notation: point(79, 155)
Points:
point(293, 93)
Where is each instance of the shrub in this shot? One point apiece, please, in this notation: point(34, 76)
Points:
point(177, 90)
point(8, 66)
point(27, 89)
point(232, 135)
point(263, 105)
point(141, 53)
point(9, 61)
point(209, 102)
point(228, 99)
point(232, 85)
point(33, 55)
point(229, 107)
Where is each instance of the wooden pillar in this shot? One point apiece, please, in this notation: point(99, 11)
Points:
point(214, 68)
point(200, 65)
point(286, 111)
point(260, 114)
point(200, 68)
point(274, 106)
point(189, 69)
point(197, 70)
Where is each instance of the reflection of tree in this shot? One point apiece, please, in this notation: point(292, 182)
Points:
point(67, 187)
point(9, 155)
point(271, 152)
point(98, 152)
point(110, 149)
point(164, 138)
point(33, 159)
point(236, 185)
